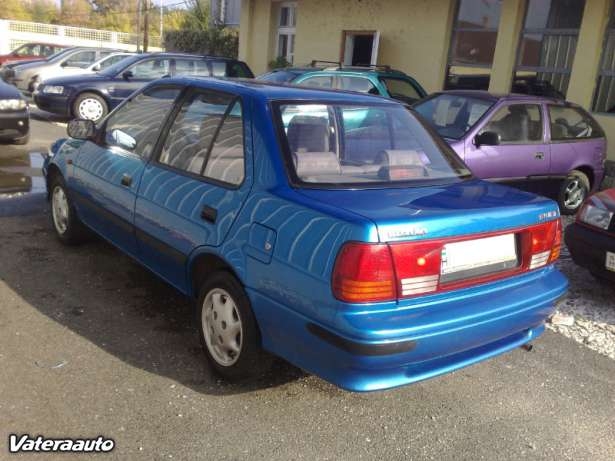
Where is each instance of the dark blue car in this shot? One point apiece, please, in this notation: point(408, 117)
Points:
point(332, 229)
point(92, 96)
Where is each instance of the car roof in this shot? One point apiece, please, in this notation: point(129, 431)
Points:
point(348, 70)
point(278, 91)
point(185, 55)
point(494, 97)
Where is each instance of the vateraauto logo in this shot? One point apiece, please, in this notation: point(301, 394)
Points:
point(26, 443)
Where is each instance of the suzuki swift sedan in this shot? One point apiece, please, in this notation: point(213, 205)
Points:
point(332, 229)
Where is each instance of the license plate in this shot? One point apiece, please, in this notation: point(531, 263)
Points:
point(479, 256)
point(610, 261)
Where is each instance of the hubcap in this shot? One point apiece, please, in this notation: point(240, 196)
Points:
point(574, 194)
point(221, 327)
point(59, 210)
point(91, 109)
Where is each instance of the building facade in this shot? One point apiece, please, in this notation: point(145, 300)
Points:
point(564, 47)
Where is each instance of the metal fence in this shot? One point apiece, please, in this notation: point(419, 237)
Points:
point(15, 33)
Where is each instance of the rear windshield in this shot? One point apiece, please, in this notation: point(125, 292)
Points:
point(453, 115)
point(400, 89)
point(332, 144)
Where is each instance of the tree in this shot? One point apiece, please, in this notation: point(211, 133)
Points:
point(76, 13)
point(44, 11)
point(14, 9)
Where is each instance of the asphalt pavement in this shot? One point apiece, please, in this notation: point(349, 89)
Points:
point(93, 344)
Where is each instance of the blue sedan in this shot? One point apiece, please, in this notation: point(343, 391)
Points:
point(332, 229)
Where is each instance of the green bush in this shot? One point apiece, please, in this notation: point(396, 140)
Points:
point(278, 63)
point(218, 41)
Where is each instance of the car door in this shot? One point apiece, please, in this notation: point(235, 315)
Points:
point(137, 75)
point(192, 191)
point(108, 171)
point(522, 157)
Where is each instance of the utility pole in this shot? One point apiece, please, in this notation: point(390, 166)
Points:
point(146, 27)
point(161, 38)
point(138, 26)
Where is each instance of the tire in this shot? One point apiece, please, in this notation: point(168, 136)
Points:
point(228, 329)
point(64, 219)
point(90, 106)
point(573, 192)
point(23, 140)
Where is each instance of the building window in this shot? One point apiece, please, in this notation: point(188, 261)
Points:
point(604, 97)
point(547, 46)
point(475, 31)
point(287, 22)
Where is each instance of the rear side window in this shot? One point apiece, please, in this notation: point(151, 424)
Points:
point(138, 122)
point(569, 123)
point(82, 59)
point(231, 69)
point(359, 84)
point(206, 138)
point(280, 76)
point(151, 69)
point(517, 124)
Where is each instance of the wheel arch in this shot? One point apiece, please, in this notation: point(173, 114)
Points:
point(203, 265)
point(53, 171)
point(587, 171)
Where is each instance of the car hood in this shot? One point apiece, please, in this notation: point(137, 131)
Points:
point(604, 199)
point(467, 207)
point(9, 91)
point(68, 80)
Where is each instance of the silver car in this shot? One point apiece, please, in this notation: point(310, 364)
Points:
point(27, 77)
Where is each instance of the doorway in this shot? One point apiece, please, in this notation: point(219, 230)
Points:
point(360, 48)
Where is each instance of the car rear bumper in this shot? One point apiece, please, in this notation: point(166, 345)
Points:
point(437, 336)
point(54, 103)
point(15, 124)
point(588, 249)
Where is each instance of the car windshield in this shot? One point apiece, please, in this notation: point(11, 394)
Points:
point(116, 68)
point(59, 53)
point(401, 89)
point(453, 115)
point(380, 144)
point(278, 76)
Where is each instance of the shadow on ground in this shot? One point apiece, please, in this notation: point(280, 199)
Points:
point(113, 302)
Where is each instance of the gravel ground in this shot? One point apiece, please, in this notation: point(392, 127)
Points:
point(589, 306)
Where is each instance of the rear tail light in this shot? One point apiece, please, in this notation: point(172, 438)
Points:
point(379, 272)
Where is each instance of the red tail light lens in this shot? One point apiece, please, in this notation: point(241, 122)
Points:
point(364, 273)
point(368, 272)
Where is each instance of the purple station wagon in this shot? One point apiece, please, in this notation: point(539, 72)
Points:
point(537, 144)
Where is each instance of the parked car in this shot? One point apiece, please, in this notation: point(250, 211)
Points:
point(14, 115)
point(591, 239)
point(377, 80)
point(7, 70)
point(27, 77)
point(91, 97)
point(539, 144)
point(328, 228)
point(31, 52)
point(103, 63)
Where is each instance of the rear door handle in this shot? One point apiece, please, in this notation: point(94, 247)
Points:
point(209, 214)
point(539, 155)
point(126, 180)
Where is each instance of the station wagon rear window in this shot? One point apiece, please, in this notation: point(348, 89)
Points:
point(332, 144)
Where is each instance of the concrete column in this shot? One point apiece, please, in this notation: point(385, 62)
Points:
point(255, 40)
point(505, 57)
point(589, 51)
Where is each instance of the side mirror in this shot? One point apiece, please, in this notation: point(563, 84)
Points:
point(121, 139)
point(81, 129)
point(127, 75)
point(96, 68)
point(487, 138)
point(65, 64)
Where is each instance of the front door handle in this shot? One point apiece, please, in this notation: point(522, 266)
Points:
point(209, 214)
point(126, 180)
point(539, 155)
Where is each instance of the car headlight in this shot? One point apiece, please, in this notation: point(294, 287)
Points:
point(12, 104)
point(597, 217)
point(52, 89)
